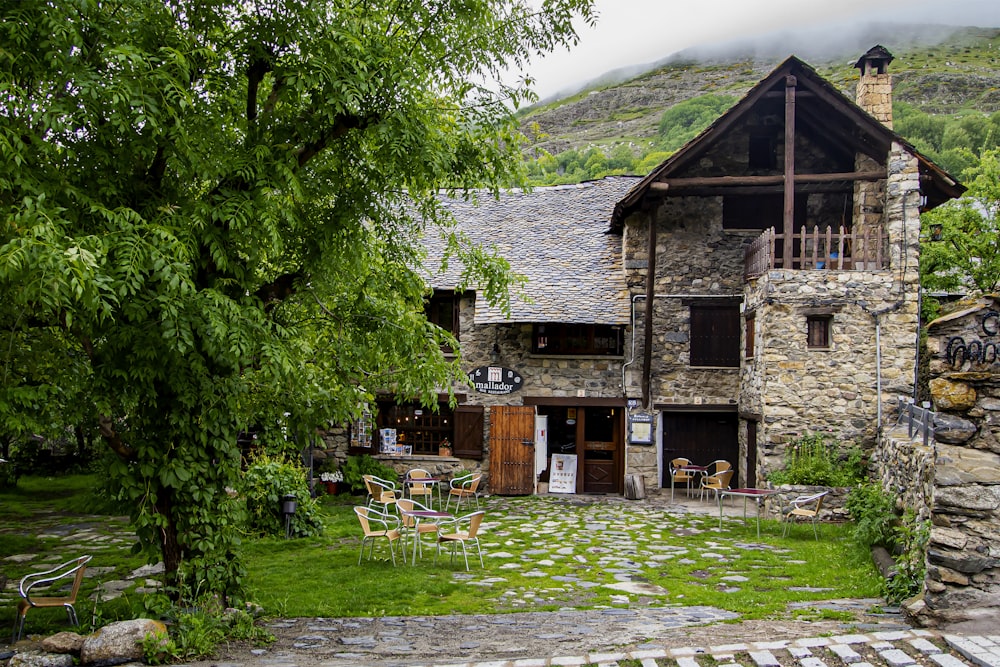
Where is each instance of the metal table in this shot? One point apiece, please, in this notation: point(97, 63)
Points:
point(417, 515)
point(759, 495)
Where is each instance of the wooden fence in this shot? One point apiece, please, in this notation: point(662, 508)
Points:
point(818, 249)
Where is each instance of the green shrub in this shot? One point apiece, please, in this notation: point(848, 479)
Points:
point(872, 510)
point(197, 632)
point(8, 475)
point(357, 466)
point(266, 482)
point(814, 461)
point(910, 537)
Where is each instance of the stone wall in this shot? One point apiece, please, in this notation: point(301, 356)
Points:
point(963, 557)
point(792, 389)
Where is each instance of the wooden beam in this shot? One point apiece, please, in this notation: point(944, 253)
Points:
point(672, 184)
point(788, 215)
point(647, 344)
point(800, 188)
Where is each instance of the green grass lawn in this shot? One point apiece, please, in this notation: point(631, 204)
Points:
point(541, 552)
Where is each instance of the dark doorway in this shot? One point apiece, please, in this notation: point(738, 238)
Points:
point(702, 437)
point(594, 435)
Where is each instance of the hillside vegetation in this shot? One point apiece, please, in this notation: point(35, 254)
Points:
point(946, 94)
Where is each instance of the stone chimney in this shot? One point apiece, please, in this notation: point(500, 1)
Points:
point(874, 93)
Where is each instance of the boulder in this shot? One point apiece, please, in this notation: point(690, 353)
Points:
point(39, 659)
point(119, 642)
point(953, 430)
point(952, 396)
point(63, 642)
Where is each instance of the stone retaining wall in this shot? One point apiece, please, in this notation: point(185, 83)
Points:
point(955, 480)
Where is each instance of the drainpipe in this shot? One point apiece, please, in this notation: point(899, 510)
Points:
point(636, 297)
point(878, 376)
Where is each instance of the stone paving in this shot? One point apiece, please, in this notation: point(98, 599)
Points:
point(637, 634)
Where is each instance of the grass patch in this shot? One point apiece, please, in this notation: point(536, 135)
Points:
point(541, 553)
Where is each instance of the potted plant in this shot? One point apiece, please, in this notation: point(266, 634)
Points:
point(444, 449)
point(330, 474)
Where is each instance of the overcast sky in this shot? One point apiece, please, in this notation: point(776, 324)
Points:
point(632, 32)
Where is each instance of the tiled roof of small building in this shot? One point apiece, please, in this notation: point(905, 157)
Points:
point(556, 237)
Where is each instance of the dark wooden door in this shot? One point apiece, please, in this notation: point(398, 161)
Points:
point(601, 450)
point(512, 450)
point(702, 437)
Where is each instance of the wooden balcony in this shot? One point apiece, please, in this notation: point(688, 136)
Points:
point(817, 249)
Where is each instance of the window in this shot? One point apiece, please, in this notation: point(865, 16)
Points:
point(715, 335)
point(442, 309)
point(417, 427)
point(750, 322)
point(598, 339)
point(760, 211)
point(818, 331)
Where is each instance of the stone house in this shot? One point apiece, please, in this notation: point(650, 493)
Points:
point(760, 284)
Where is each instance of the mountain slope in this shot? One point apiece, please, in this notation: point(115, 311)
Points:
point(941, 70)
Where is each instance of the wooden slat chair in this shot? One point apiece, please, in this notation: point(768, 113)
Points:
point(718, 482)
point(46, 581)
point(413, 527)
point(711, 471)
point(804, 506)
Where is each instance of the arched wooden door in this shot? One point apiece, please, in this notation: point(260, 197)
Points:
point(512, 450)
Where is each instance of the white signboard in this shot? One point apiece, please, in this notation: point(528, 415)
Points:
point(562, 473)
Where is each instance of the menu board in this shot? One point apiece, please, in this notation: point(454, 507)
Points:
point(562, 473)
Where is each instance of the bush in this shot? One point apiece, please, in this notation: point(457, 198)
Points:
point(871, 508)
point(910, 537)
point(266, 482)
point(813, 461)
point(358, 466)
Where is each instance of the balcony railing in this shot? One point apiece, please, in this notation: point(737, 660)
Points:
point(817, 249)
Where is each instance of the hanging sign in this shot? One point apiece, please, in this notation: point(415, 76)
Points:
point(495, 380)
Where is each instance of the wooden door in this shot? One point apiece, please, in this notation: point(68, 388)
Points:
point(601, 451)
point(701, 437)
point(512, 450)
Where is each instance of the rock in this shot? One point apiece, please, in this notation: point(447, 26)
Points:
point(954, 396)
point(953, 430)
point(63, 642)
point(39, 659)
point(120, 641)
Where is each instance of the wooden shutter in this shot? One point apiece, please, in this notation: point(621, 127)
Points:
point(715, 336)
point(469, 421)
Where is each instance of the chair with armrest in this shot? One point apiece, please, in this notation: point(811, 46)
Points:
point(450, 532)
point(416, 489)
point(375, 525)
point(804, 506)
point(677, 475)
point(717, 482)
point(68, 574)
point(464, 487)
point(411, 526)
point(381, 491)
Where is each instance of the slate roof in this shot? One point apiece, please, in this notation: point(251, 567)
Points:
point(557, 237)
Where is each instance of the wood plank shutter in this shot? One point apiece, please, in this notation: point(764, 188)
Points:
point(715, 336)
point(469, 420)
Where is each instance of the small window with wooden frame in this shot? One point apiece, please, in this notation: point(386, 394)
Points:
point(818, 331)
point(750, 325)
point(442, 308)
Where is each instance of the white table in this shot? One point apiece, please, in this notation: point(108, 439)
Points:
point(417, 516)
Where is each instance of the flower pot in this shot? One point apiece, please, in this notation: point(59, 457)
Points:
point(331, 488)
point(444, 451)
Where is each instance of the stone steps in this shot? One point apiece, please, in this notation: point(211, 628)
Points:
point(905, 648)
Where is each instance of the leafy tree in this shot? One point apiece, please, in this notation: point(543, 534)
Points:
point(961, 248)
point(212, 215)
